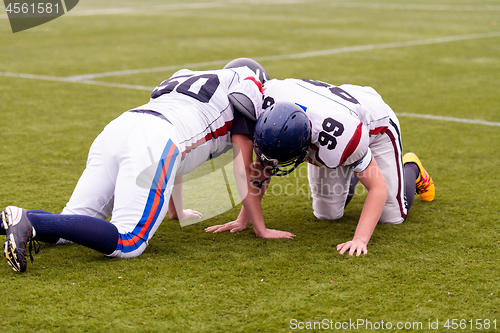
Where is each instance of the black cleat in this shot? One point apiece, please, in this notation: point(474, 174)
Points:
point(19, 233)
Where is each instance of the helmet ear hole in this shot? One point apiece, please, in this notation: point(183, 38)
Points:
point(286, 127)
point(293, 117)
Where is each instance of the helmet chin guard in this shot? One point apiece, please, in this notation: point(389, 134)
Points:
point(276, 166)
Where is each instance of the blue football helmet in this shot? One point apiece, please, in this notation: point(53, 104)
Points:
point(252, 64)
point(282, 136)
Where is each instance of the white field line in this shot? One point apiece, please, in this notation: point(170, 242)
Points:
point(87, 79)
point(346, 49)
point(409, 6)
point(368, 47)
point(76, 78)
point(64, 79)
point(139, 87)
point(174, 7)
point(204, 5)
point(145, 9)
point(452, 119)
point(181, 6)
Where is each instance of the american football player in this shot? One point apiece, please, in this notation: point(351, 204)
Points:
point(190, 117)
point(346, 133)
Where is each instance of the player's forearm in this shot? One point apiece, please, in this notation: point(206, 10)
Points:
point(370, 215)
point(252, 208)
point(253, 212)
point(242, 183)
point(245, 171)
point(373, 179)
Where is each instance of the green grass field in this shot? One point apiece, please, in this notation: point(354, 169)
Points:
point(431, 58)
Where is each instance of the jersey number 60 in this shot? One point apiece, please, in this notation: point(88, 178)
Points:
point(200, 87)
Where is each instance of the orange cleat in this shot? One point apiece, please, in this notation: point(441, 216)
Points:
point(425, 186)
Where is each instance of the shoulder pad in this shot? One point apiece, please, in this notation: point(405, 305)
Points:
point(243, 104)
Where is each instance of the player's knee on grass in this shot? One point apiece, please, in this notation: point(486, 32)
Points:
point(130, 254)
point(324, 212)
point(391, 216)
point(328, 217)
point(327, 206)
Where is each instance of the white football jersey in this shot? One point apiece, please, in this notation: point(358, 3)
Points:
point(343, 119)
point(197, 104)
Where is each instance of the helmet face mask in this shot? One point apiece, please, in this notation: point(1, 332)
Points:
point(276, 168)
point(282, 136)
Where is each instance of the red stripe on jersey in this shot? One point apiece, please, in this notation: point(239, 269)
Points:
point(315, 148)
point(353, 144)
point(258, 83)
point(378, 130)
point(221, 131)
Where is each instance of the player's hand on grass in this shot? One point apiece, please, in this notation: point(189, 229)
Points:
point(186, 215)
point(238, 225)
point(271, 233)
point(355, 245)
point(233, 226)
point(190, 214)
